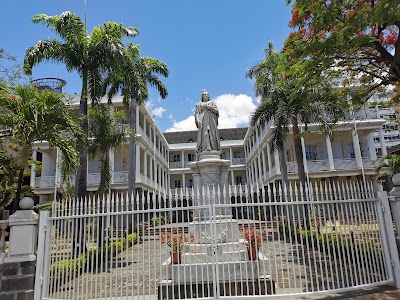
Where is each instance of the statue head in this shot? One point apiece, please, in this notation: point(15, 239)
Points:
point(204, 96)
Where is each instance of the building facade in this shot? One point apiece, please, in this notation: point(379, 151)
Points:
point(162, 158)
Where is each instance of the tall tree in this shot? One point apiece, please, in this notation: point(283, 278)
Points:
point(105, 133)
point(287, 103)
point(89, 54)
point(132, 78)
point(10, 70)
point(357, 38)
point(32, 115)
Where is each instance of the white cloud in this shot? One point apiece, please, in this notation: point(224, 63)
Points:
point(155, 112)
point(234, 111)
point(158, 112)
point(184, 125)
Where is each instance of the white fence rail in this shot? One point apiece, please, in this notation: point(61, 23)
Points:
point(229, 244)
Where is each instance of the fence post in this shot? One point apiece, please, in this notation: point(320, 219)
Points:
point(390, 237)
point(40, 254)
point(395, 206)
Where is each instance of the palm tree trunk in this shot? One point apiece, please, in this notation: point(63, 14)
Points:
point(132, 149)
point(81, 176)
point(299, 152)
point(19, 189)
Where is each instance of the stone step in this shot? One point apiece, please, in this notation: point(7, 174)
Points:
point(227, 270)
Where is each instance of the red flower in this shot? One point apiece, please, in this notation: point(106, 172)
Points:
point(13, 97)
point(253, 237)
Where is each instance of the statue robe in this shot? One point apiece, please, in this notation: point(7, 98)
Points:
point(206, 118)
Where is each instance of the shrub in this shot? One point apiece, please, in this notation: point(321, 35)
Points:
point(63, 269)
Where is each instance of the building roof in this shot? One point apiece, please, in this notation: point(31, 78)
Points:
point(228, 134)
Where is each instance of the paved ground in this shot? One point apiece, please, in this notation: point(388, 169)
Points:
point(378, 293)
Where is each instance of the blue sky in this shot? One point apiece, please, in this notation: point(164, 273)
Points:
point(207, 44)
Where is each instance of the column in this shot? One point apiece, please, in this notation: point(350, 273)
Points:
point(151, 168)
point(145, 166)
point(182, 159)
point(269, 160)
point(230, 154)
point(144, 124)
point(330, 153)
point(111, 154)
point(33, 167)
point(183, 180)
point(383, 143)
point(357, 150)
point(371, 146)
point(277, 162)
point(232, 178)
point(259, 168)
point(137, 117)
point(137, 161)
point(57, 177)
point(264, 162)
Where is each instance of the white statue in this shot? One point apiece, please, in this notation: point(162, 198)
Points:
point(206, 118)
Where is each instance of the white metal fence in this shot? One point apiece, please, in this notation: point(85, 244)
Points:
point(230, 244)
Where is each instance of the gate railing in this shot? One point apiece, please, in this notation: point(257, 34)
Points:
point(214, 243)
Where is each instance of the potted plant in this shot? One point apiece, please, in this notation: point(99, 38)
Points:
point(177, 242)
point(254, 239)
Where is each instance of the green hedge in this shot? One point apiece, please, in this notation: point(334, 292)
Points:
point(66, 267)
point(335, 243)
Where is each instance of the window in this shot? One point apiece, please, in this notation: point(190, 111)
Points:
point(177, 158)
point(238, 180)
point(237, 154)
point(350, 148)
point(310, 152)
point(177, 184)
point(190, 183)
point(191, 157)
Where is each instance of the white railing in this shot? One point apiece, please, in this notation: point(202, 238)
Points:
point(345, 164)
point(370, 163)
point(317, 165)
point(291, 166)
point(93, 178)
point(238, 161)
point(175, 165)
point(121, 177)
point(142, 177)
point(45, 181)
point(324, 238)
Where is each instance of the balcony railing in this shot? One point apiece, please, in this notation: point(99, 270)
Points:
point(45, 181)
point(345, 164)
point(93, 178)
point(238, 161)
point(121, 177)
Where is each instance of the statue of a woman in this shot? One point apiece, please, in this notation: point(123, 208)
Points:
point(206, 118)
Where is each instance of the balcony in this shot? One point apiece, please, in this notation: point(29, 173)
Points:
point(45, 182)
point(238, 161)
point(121, 177)
point(340, 164)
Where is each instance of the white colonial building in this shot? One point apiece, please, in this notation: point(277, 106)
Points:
point(162, 158)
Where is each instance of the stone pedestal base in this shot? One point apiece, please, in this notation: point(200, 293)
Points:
point(226, 230)
point(262, 286)
point(196, 272)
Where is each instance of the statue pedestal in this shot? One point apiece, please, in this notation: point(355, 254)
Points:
point(219, 253)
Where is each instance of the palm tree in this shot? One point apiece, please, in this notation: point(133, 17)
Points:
point(132, 78)
point(89, 55)
point(389, 166)
point(33, 115)
point(287, 103)
point(105, 134)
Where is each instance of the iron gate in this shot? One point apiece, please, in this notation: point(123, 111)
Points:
point(211, 244)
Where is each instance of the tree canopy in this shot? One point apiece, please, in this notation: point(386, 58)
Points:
point(356, 38)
